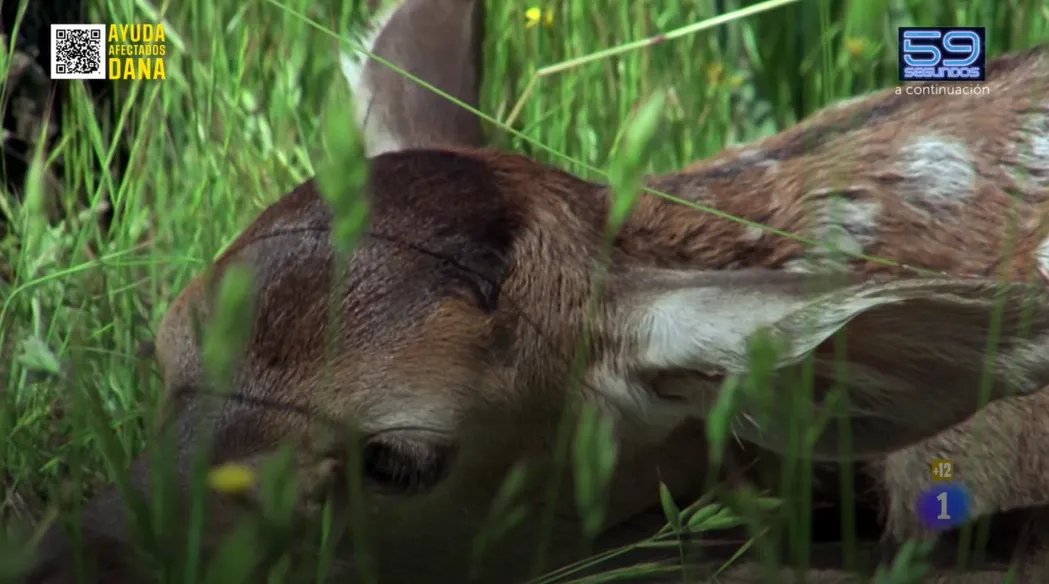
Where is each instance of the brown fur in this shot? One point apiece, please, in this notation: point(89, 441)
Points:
point(453, 67)
point(464, 303)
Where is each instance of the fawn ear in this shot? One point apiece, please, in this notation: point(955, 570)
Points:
point(918, 355)
point(438, 41)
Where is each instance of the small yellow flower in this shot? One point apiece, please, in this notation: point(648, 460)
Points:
point(855, 47)
point(231, 478)
point(535, 15)
point(735, 81)
point(714, 71)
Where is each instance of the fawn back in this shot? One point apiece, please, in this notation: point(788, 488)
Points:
point(466, 298)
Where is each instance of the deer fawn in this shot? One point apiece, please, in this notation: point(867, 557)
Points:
point(466, 298)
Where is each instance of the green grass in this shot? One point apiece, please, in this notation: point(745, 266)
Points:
point(238, 122)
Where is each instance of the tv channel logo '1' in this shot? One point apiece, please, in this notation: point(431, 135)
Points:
point(942, 53)
point(944, 506)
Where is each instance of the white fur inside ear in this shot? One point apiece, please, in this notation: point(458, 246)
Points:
point(919, 345)
point(705, 329)
point(641, 417)
point(368, 111)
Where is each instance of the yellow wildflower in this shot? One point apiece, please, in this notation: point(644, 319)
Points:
point(231, 478)
point(714, 71)
point(855, 46)
point(535, 15)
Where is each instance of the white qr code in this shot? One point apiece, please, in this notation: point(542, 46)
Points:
point(78, 51)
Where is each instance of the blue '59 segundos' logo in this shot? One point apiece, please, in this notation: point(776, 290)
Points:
point(942, 53)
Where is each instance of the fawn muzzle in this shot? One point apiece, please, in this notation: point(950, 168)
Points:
point(110, 538)
point(104, 545)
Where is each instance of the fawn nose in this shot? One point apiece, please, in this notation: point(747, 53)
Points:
point(104, 552)
point(104, 542)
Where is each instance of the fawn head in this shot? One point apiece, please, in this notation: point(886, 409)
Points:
point(457, 322)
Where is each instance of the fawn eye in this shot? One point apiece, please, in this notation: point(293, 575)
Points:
point(404, 466)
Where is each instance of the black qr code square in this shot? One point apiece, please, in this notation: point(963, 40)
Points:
point(78, 51)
